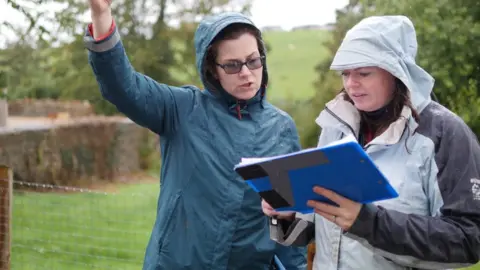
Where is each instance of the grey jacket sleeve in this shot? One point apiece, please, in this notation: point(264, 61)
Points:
point(299, 232)
point(451, 239)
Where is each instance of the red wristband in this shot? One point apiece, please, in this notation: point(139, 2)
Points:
point(112, 28)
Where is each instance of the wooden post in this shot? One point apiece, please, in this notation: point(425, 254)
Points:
point(3, 112)
point(6, 200)
point(310, 255)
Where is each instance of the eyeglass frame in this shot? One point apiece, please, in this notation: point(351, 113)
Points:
point(261, 58)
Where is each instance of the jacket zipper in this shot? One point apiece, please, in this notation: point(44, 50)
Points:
point(341, 121)
point(347, 125)
point(342, 232)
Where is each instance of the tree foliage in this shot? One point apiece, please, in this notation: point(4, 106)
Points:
point(42, 65)
point(448, 33)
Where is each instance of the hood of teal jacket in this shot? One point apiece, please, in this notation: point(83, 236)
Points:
point(388, 42)
point(206, 32)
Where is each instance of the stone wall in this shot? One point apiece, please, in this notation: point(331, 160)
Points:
point(47, 107)
point(76, 152)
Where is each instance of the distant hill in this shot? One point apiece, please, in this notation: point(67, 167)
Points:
point(277, 28)
point(291, 62)
point(326, 27)
point(272, 28)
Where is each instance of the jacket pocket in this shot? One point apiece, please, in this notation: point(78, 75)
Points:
point(183, 246)
point(166, 230)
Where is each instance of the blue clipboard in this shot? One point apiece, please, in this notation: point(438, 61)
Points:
point(286, 181)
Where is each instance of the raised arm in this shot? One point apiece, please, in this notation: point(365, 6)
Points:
point(450, 239)
point(153, 105)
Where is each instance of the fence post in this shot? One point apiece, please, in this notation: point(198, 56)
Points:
point(3, 111)
point(310, 255)
point(6, 200)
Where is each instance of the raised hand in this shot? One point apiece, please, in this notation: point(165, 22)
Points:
point(98, 7)
point(101, 17)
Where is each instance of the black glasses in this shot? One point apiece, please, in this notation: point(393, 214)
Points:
point(236, 66)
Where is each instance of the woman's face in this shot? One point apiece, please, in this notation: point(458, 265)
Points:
point(239, 80)
point(370, 88)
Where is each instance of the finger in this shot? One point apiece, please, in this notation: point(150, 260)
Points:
point(340, 200)
point(267, 206)
point(268, 213)
point(288, 215)
point(326, 208)
point(327, 216)
point(271, 213)
point(278, 215)
point(340, 222)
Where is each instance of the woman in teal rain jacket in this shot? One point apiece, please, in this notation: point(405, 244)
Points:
point(207, 217)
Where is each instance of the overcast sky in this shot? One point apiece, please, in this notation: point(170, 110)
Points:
point(287, 13)
point(290, 13)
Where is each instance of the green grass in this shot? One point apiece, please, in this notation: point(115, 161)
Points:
point(83, 230)
point(291, 62)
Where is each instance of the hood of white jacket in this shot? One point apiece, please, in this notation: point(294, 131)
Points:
point(390, 43)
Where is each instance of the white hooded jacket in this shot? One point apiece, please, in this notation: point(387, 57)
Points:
point(434, 165)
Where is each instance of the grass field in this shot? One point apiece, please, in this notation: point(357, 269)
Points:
point(83, 230)
point(291, 62)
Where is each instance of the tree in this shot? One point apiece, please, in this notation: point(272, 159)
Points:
point(446, 33)
point(59, 68)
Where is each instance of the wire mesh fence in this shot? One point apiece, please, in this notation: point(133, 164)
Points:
point(61, 227)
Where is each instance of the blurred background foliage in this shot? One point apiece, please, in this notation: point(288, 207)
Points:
point(50, 61)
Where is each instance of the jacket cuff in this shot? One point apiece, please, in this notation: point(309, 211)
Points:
point(102, 43)
point(365, 221)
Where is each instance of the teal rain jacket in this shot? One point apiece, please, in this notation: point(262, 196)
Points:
point(208, 217)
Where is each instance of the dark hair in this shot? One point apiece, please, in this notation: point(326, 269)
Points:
point(391, 112)
point(233, 31)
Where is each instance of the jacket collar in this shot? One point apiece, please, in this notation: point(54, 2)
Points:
point(341, 115)
point(239, 107)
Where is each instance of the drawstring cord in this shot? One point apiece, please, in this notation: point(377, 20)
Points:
point(239, 113)
point(240, 107)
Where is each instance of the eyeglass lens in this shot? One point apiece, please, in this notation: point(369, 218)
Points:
point(235, 67)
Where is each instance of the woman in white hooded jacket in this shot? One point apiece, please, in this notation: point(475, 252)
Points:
point(428, 154)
